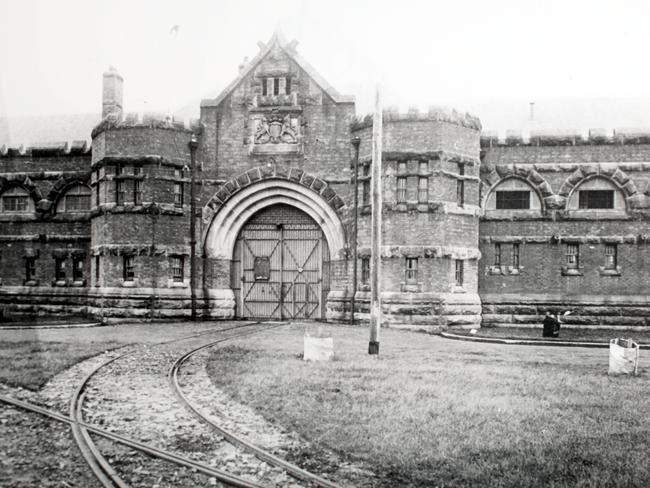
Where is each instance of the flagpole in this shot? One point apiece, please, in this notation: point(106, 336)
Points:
point(375, 268)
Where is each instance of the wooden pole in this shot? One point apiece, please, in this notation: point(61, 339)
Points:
point(193, 144)
point(375, 268)
point(355, 233)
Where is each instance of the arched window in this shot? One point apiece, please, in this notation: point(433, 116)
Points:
point(513, 195)
point(16, 200)
point(596, 194)
point(75, 199)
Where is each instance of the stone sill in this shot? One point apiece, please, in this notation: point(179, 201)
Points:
point(130, 284)
point(609, 271)
point(281, 148)
point(458, 289)
point(410, 287)
point(571, 271)
point(505, 270)
point(30, 283)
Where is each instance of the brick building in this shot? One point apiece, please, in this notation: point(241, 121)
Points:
point(476, 230)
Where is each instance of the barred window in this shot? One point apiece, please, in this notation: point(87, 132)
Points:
point(423, 189)
point(401, 189)
point(411, 270)
point(78, 269)
point(365, 270)
point(97, 270)
point(128, 268)
point(611, 256)
point(497, 254)
point(513, 200)
point(30, 268)
point(515, 255)
point(365, 200)
point(137, 192)
point(176, 266)
point(460, 186)
point(572, 256)
point(459, 275)
point(77, 199)
point(119, 192)
point(596, 199)
point(59, 269)
point(178, 194)
point(15, 199)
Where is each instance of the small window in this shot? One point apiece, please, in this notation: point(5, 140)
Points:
point(611, 256)
point(460, 186)
point(365, 200)
point(176, 265)
point(265, 90)
point(137, 192)
point(513, 200)
point(411, 270)
point(423, 189)
point(598, 199)
point(15, 200)
point(365, 270)
point(128, 266)
point(178, 194)
point(78, 269)
point(276, 86)
point(119, 169)
point(401, 189)
point(459, 274)
point(515, 255)
point(59, 269)
point(497, 254)
point(137, 169)
point(97, 193)
point(572, 256)
point(97, 271)
point(119, 192)
point(30, 268)
point(287, 85)
point(77, 199)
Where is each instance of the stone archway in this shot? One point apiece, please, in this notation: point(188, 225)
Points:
point(243, 197)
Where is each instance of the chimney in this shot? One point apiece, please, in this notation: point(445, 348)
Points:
point(112, 93)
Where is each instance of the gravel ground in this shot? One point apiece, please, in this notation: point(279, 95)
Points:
point(132, 397)
point(244, 422)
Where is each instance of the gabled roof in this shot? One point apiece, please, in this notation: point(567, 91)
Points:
point(289, 48)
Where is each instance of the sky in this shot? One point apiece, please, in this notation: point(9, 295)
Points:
point(493, 57)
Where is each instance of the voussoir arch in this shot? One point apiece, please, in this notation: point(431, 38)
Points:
point(240, 198)
point(502, 173)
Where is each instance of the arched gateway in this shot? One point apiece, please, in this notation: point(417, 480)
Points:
point(276, 240)
point(280, 266)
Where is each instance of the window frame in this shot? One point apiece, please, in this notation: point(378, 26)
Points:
point(77, 268)
point(497, 254)
point(128, 267)
point(365, 270)
point(459, 272)
point(611, 257)
point(30, 268)
point(411, 266)
point(572, 256)
point(179, 194)
point(400, 194)
point(137, 192)
point(587, 198)
point(499, 200)
point(177, 268)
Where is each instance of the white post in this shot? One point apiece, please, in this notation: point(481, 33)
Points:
point(375, 268)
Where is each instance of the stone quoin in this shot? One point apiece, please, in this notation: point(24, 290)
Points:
point(477, 230)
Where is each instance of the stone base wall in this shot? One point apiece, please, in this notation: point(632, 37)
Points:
point(588, 311)
point(23, 302)
point(417, 311)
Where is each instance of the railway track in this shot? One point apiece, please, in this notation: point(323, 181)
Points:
point(231, 437)
point(100, 466)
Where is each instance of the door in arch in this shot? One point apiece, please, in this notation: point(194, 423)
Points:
point(280, 267)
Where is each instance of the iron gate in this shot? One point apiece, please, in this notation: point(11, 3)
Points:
point(281, 260)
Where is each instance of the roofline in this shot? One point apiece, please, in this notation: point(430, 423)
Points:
point(278, 38)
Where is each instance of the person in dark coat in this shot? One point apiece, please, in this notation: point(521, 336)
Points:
point(551, 326)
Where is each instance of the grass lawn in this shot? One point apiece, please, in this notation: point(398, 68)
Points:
point(566, 334)
point(30, 364)
point(436, 412)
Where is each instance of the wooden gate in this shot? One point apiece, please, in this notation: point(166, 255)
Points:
point(281, 262)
